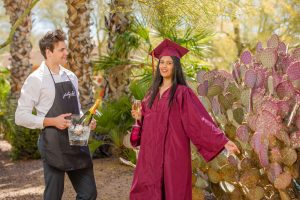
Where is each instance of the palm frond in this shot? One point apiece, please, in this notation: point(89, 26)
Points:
point(141, 30)
point(138, 90)
point(94, 145)
point(116, 137)
point(108, 62)
point(124, 44)
point(116, 114)
point(192, 68)
point(146, 78)
point(198, 42)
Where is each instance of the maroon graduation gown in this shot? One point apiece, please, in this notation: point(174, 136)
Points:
point(163, 169)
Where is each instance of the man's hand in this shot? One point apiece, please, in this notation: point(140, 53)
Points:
point(59, 122)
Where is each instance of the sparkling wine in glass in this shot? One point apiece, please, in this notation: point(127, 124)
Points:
point(137, 108)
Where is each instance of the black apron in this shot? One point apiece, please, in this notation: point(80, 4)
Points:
point(55, 146)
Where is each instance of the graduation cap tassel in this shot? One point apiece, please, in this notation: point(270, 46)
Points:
point(152, 63)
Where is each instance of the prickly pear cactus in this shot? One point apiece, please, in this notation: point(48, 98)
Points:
point(257, 106)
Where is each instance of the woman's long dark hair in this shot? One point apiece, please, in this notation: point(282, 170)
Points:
point(177, 79)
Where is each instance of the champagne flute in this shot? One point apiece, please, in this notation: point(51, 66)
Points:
point(137, 108)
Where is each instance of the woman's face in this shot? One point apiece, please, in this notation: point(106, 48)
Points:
point(166, 67)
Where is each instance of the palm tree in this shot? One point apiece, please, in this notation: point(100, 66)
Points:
point(118, 46)
point(80, 45)
point(20, 46)
point(23, 140)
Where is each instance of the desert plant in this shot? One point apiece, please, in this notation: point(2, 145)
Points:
point(6, 124)
point(23, 140)
point(257, 107)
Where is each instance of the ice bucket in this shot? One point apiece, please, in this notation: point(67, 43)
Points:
point(78, 134)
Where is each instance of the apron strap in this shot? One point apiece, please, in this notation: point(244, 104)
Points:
point(51, 75)
point(71, 84)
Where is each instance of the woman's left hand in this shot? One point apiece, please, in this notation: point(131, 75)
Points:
point(231, 148)
point(93, 124)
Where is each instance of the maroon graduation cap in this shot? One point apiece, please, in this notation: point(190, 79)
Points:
point(168, 48)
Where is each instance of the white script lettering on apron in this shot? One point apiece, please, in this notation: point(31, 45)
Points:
point(69, 94)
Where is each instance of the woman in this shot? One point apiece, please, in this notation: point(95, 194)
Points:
point(170, 117)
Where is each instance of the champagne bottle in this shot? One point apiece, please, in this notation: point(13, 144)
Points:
point(87, 117)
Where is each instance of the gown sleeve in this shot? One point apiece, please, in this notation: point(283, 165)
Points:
point(200, 127)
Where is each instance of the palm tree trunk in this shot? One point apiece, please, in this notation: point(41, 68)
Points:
point(23, 140)
point(117, 23)
point(20, 46)
point(80, 47)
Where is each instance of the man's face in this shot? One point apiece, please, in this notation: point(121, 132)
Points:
point(59, 54)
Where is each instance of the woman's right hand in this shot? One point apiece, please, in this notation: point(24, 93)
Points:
point(136, 114)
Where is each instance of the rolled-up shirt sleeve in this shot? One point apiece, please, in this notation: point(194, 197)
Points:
point(29, 97)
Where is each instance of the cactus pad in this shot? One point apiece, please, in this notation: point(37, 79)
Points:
point(283, 181)
point(268, 57)
point(246, 57)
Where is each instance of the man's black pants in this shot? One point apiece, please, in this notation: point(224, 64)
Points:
point(82, 180)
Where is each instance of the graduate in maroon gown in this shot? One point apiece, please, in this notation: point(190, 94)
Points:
point(171, 117)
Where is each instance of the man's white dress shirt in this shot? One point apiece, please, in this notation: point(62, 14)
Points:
point(38, 92)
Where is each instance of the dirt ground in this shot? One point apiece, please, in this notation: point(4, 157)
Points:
point(23, 180)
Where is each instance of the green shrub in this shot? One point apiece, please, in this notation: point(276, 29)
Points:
point(5, 123)
point(23, 140)
point(24, 143)
point(114, 122)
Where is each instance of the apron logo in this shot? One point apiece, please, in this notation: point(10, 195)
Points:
point(69, 94)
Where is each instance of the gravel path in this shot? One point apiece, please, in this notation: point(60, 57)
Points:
point(23, 180)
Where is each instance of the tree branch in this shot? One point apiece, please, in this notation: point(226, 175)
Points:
point(18, 23)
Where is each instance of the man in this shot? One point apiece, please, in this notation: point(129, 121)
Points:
point(45, 91)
